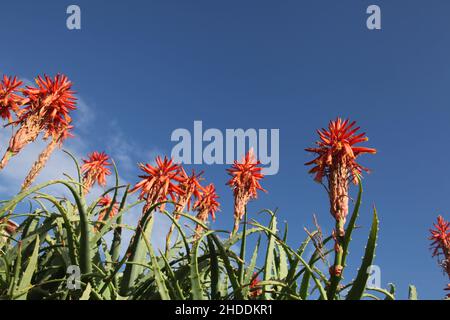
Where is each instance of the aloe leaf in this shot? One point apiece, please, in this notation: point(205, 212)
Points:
point(238, 236)
point(412, 293)
point(84, 245)
point(334, 281)
point(25, 282)
point(323, 294)
point(180, 231)
point(174, 283)
point(250, 270)
point(282, 268)
point(269, 260)
point(352, 223)
point(136, 253)
point(196, 286)
point(87, 292)
point(159, 278)
point(359, 285)
point(230, 271)
point(67, 226)
point(215, 271)
point(391, 291)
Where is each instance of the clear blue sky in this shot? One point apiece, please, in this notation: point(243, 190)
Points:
point(146, 68)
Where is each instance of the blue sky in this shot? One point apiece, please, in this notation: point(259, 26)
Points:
point(146, 68)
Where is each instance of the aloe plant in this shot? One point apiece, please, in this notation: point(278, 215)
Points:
point(58, 233)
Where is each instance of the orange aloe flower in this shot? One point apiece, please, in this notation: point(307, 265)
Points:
point(206, 205)
point(440, 237)
point(245, 184)
point(158, 183)
point(105, 202)
point(95, 170)
point(52, 100)
point(448, 289)
point(47, 110)
point(190, 186)
point(336, 161)
point(255, 288)
point(10, 101)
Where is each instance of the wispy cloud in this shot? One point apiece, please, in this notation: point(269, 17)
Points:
point(125, 153)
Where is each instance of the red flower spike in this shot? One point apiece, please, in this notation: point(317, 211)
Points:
point(158, 183)
point(337, 146)
point(52, 100)
point(206, 205)
point(245, 184)
point(105, 202)
point(255, 288)
point(10, 101)
point(440, 237)
point(190, 185)
point(95, 170)
point(336, 161)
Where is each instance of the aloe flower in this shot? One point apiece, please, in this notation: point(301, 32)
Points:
point(47, 111)
point(245, 184)
point(159, 182)
point(206, 205)
point(337, 152)
point(336, 161)
point(190, 187)
point(255, 288)
point(95, 170)
point(105, 203)
point(10, 101)
point(440, 237)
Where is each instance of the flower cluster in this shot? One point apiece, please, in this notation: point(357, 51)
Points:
point(255, 288)
point(336, 161)
point(46, 109)
point(206, 205)
point(95, 170)
point(245, 184)
point(440, 237)
point(105, 203)
point(10, 100)
point(159, 182)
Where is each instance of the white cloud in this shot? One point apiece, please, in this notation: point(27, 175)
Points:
point(125, 153)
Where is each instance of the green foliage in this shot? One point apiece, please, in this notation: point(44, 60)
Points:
point(61, 232)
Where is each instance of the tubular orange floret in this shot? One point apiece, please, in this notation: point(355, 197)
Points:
point(158, 183)
point(95, 170)
point(245, 184)
point(10, 101)
point(206, 205)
